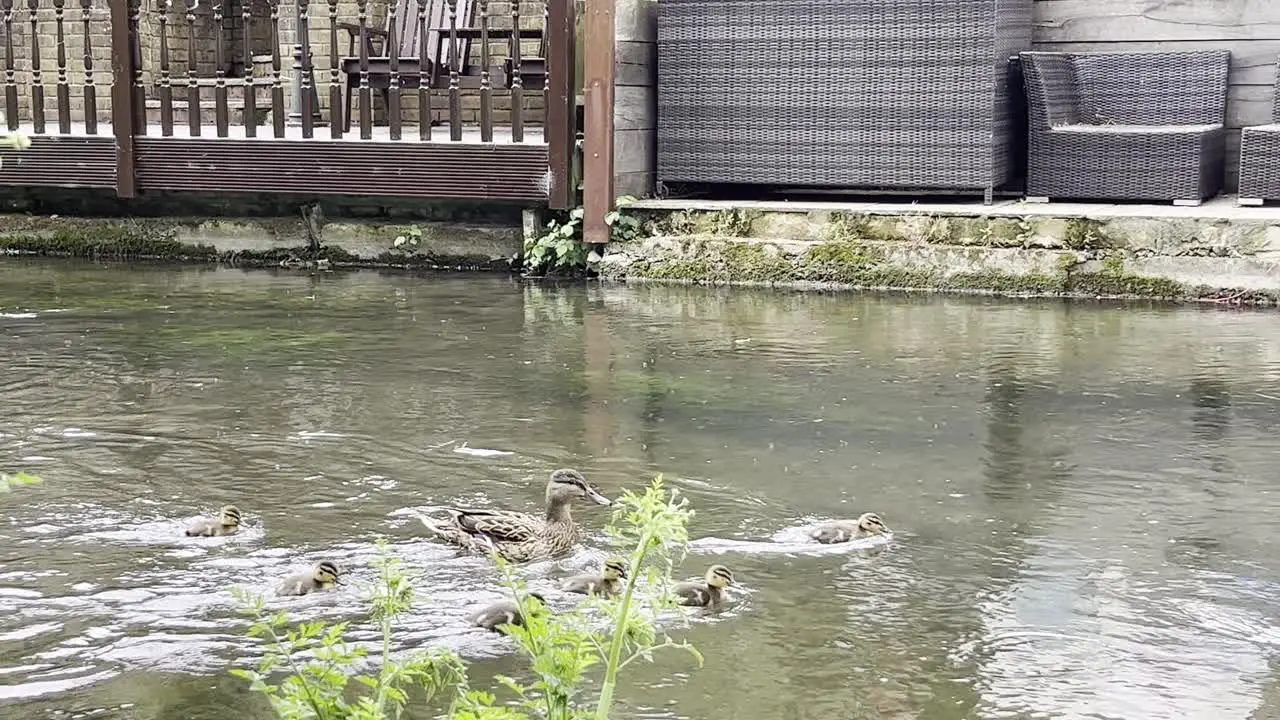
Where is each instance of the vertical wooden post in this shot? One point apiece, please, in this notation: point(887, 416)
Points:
point(122, 97)
point(561, 101)
point(597, 165)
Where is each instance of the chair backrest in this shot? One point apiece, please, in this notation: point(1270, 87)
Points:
point(1053, 91)
point(1275, 109)
point(408, 38)
point(1154, 88)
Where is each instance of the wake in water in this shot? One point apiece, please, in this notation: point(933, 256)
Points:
point(791, 541)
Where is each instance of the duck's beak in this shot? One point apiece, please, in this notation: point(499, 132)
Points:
point(597, 498)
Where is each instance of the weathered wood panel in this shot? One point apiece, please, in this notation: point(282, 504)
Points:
point(1157, 20)
point(1250, 29)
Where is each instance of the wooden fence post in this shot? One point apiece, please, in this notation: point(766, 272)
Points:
point(597, 164)
point(561, 102)
point(122, 98)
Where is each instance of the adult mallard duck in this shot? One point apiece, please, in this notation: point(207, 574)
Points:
point(838, 531)
point(518, 536)
point(322, 577)
point(227, 523)
point(607, 583)
point(707, 593)
point(506, 612)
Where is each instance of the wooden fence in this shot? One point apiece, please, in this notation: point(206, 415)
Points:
point(432, 99)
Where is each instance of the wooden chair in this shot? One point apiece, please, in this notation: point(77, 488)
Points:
point(379, 45)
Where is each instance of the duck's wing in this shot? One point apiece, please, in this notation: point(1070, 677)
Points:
point(691, 594)
point(832, 532)
point(498, 525)
point(201, 528)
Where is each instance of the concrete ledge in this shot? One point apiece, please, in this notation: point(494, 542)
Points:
point(1216, 252)
point(266, 242)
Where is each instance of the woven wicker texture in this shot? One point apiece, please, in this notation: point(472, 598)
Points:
point(1126, 126)
point(1260, 155)
point(898, 94)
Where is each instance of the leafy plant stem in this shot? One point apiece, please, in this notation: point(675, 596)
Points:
point(297, 672)
point(613, 665)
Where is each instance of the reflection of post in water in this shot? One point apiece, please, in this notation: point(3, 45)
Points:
point(1212, 399)
point(651, 413)
point(1023, 463)
point(1004, 461)
point(1211, 418)
point(599, 361)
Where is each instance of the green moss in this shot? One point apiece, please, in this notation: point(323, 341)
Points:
point(1110, 284)
point(683, 222)
point(138, 239)
point(752, 262)
point(1085, 234)
point(1001, 232)
point(684, 270)
point(851, 227)
point(1008, 283)
point(728, 223)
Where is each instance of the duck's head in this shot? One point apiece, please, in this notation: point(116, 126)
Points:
point(567, 485)
point(871, 523)
point(719, 577)
point(229, 515)
point(326, 572)
point(614, 569)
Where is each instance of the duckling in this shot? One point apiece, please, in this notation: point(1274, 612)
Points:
point(228, 523)
point(322, 577)
point(518, 536)
point(838, 531)
point(706, 593)
point(605, 584)
point(505, 612)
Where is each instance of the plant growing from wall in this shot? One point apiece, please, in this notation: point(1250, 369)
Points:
point(560, 249)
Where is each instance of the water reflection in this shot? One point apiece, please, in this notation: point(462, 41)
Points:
point(1081, 495)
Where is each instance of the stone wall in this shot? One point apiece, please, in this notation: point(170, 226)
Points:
point(1216, 253)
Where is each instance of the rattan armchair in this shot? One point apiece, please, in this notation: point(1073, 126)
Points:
point(1260, 157)
point(1126, 126)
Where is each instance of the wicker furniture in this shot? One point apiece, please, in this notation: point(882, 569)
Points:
point(1126, 126)
point(862, 94)
point(1260, 157)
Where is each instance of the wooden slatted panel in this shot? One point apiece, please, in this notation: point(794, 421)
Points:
point(1250, 29)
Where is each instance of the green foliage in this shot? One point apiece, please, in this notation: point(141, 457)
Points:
point(560, 248)
point(14, 141)
point(9, 482)
point(318, 688)
point(623, 226)
point(563, 649)
point(409, 241)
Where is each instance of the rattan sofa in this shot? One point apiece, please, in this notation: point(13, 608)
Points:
point(1260, 157)
point(1126, 126)
point(846, 94)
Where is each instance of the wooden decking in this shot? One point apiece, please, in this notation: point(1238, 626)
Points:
point(435, 168)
